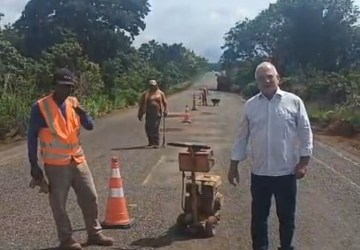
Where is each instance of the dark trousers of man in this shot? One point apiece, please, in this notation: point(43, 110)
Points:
point(204, 99)
point(152, 124)
point(284, 188)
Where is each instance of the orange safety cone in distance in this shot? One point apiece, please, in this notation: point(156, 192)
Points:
point(187, 115)
point(116, 215)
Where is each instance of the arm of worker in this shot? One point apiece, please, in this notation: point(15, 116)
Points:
point(305, 134)
point(141, 106)
point(165, 104)
point(86, 121)
point(35, 123)
point(33, 132)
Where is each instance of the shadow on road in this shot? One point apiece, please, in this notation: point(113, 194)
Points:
point(161, 241)
point(55, 248)
point(171, 129)
point(131, 148)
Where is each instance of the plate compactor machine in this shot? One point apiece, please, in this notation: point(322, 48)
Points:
point(201, 202)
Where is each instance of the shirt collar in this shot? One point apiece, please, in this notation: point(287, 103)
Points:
point(278, 92)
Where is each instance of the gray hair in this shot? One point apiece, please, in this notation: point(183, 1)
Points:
point(265, 65)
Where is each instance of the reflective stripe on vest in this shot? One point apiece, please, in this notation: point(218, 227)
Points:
point(47, 156)
point(60, 142)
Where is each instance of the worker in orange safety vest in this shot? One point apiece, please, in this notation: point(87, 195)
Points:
point(55, 121)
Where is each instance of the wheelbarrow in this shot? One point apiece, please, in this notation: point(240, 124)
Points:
point(215, 101)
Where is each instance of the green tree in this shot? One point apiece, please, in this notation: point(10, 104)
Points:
point(70, 55)
point(297, 35)
point(102, 27)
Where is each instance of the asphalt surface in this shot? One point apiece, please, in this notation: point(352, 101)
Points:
point(328, 211)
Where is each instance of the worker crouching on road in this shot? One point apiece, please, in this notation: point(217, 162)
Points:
point(152, 103)
point(56, 121)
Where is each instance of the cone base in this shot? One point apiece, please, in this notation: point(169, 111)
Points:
point(127, 225)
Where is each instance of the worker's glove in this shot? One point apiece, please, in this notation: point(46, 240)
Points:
point(36, 172)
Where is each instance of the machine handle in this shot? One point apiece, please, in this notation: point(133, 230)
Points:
point(189, 145)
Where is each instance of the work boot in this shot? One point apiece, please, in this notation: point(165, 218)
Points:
point(100, 240)
point(70, 244)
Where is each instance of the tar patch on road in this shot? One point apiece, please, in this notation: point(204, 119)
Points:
point(164, 240)
point(207, 113)
point(131, 148)
point(171, 129)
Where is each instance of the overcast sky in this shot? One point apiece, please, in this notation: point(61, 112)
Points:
point(198, 24)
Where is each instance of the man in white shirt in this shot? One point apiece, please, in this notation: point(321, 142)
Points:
point(278, 128)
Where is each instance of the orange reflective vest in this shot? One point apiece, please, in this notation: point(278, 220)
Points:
point(59, 142)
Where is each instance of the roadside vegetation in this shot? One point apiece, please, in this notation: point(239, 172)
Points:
point(316, 48)
point(96, 42)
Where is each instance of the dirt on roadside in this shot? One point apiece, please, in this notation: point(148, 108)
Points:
point(350, 145)
point(341, 135)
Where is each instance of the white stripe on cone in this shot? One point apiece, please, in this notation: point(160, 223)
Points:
point(116, 173)
point(117, 192)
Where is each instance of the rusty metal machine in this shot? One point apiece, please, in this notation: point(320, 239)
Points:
point(200, 200)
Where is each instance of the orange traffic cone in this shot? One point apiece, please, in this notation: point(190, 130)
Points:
point(117, 215)
point(187, 115)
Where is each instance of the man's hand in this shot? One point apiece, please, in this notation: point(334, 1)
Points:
point(233, 174)
point(300, 171)
point(36, 172)
point(80, 110)
point(140, 117)
point(301, 167)
point(165, 113)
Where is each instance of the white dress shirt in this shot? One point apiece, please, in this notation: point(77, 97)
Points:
point(279, 132)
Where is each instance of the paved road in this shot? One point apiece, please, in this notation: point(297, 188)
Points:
point(328, 215)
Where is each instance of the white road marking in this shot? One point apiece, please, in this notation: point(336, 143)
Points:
point(161, 160)
point(350, 182)
point(329, 148)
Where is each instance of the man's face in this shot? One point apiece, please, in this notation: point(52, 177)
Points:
point(63, 91)
point(268, 80)
point(152, 87)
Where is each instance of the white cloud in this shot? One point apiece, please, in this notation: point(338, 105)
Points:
point(199, 25)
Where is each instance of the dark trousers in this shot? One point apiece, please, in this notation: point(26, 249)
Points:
point(152, 126)
point(204, 100)
point(284, 189)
